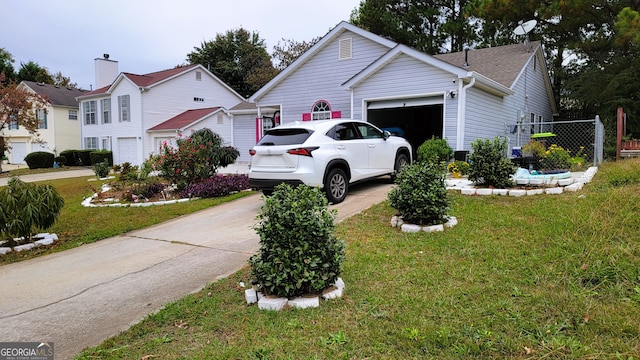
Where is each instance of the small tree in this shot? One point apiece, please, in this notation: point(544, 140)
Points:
point(18, 107)
point(25, 207)
point(489, 164)
point(197, 157)
point(421, 194)
point(299, 254)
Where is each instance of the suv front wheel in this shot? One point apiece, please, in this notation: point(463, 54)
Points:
point(336, 186)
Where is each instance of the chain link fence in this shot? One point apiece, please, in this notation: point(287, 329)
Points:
point(558, 145)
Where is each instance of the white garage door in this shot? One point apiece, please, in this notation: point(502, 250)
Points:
point(127, 151)
point(18, 152)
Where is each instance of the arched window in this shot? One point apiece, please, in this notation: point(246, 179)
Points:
point(321, 111)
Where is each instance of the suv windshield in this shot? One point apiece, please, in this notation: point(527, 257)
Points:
point(285, 137)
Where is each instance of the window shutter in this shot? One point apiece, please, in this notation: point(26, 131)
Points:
point(306, 117)
point(336, 114)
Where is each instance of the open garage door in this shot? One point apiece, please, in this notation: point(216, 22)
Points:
point(416, 119)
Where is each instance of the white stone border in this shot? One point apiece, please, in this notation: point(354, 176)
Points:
point(397, 222)
point(253, 296)
point(558, 186)
point(44, 239)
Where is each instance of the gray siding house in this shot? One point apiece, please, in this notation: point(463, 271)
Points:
point(352, 73)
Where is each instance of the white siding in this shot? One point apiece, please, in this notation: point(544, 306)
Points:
point(321, 77)
point(244, 135)
point(485, 117)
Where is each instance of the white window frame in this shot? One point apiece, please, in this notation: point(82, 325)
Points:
point(105, 106)
point(41, 116)
point(73, 114)
point(89, 112)
point(105, 143)
point(124, 108)
point(91, 142)
point(321, 110)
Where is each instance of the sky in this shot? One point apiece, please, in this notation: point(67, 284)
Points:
point(145, 36)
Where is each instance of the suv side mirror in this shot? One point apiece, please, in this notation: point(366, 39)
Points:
point(386, 134)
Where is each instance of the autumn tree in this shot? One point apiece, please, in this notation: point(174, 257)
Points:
point(18, 109)
point(288, 50)
point(237, 57)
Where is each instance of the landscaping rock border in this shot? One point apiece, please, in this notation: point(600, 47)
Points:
point(43, 239)
point(397, 222)
point(253, 296)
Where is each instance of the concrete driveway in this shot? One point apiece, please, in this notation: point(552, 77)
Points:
point(80, 297)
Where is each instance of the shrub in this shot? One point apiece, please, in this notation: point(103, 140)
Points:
point(98, 156)
point(60, 160)
point(101, 169)
point(196, 158)
point(299, 253)
point(148, 188)
point(25, 207)
point(556, 157)
point(39, 160)
point(84, 157)
point(458, 166)
point(219, 185)
point(435, 150)
point(489, 165)
point(421, 194)
point(70, 157)
point(126, 171)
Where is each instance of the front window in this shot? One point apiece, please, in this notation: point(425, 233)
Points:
point(321, 111)
point(41, 115)
point(89, 110)
point(91, 143)
point(73, 114)
point(124, 108)
point(13, 123)
point(106, 143)
point(105, 104)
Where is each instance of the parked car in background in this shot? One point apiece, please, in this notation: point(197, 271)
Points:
point(330, 154)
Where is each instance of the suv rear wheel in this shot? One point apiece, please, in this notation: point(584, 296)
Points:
point(336, 186)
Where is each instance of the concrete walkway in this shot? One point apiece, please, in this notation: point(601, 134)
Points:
point(80, 297)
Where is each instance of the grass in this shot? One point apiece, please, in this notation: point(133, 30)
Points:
point(542, 277)
point(77, 225)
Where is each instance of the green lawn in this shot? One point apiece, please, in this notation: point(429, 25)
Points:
point(78, 225)
point(541, 277)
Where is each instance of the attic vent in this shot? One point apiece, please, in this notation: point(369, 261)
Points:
point(344, 52)
point(198, 75)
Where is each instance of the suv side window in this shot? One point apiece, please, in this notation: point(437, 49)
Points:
point(345, 131)
point(369, 132)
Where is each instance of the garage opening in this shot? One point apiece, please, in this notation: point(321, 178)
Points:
point(415, 119)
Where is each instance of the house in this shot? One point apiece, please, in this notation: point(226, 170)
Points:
point(133, 115)
point(352, 73)
point(59, 128)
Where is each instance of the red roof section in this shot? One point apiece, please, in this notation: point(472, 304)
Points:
point(154, 77)
point(184, 119)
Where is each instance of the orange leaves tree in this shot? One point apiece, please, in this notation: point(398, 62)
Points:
point(18, 107)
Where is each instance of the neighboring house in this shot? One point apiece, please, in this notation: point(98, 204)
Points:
point(133, 115)
point(352, 73)
point(58, 130)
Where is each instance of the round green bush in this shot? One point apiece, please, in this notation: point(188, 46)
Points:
point(489, 164)
point(435, 150)
point(39, 160)
point(299, 253)
point(421, 194)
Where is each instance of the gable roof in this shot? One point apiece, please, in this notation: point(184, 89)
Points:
point(147, 81)
point(321, 44)
point(186, 119)
point(502, 64)
point(56, 95)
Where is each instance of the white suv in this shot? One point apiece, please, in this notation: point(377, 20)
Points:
point(331, 154)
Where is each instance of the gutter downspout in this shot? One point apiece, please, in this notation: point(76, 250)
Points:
point(462, 113)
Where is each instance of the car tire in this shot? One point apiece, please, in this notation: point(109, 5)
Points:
point(336, 186)
point(401, 161)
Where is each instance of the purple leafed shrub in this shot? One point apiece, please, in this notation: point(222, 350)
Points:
point(218, 185)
